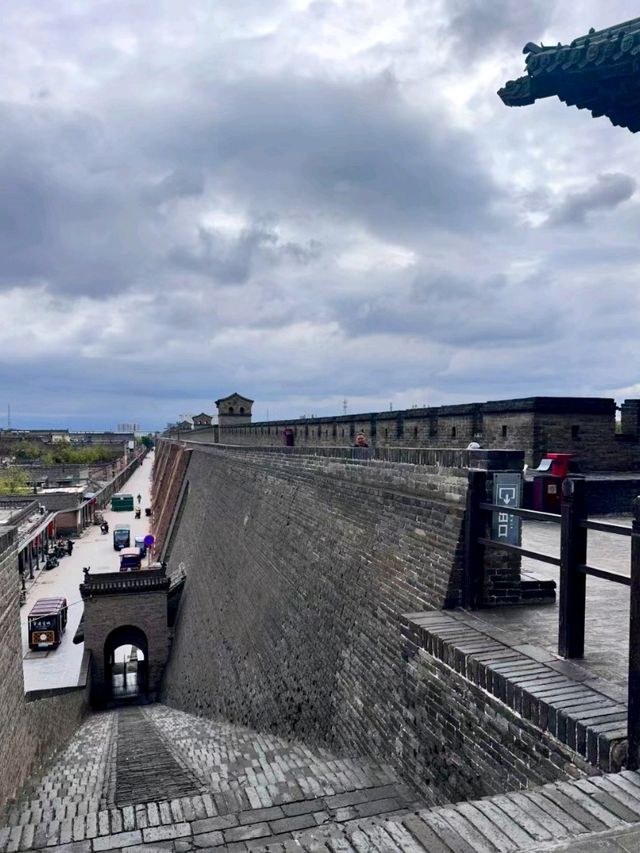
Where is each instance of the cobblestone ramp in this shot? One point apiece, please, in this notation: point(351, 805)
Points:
point(195, 785)
point(145, 769)
point(77, 781)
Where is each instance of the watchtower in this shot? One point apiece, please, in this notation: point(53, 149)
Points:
point(126, 608)
point(234, 410)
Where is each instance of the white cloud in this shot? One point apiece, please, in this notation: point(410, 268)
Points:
point(304, 200)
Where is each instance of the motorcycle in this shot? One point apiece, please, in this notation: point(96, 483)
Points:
point(51, 563)
point(104, 528)
point(138, 512)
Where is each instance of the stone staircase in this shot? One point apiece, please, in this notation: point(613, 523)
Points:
point(158, 779)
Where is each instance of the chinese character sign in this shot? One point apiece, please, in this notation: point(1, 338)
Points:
point(507, 492)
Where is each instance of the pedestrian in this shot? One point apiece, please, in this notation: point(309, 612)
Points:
point(139, 499)
point(361, 440)
point(69, 547)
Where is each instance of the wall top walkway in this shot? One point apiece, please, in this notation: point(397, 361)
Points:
point(436, 457)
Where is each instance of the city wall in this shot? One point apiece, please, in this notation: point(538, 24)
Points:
point(299, 570)
point(584, 426)
point(31, 730)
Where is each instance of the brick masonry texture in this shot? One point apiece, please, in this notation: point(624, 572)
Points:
point(31, 731)
point(501, 717)
point(263, 793)
point(147, 612)
point(299, 569)
point(297, 572)
point(583, 426)
point(168, 477)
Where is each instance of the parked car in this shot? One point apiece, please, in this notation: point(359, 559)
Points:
point(139, 543)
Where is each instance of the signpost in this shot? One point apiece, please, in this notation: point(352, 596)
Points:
point(148, 541)
point(507, 492)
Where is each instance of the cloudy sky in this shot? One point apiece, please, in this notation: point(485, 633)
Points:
point(305, 201)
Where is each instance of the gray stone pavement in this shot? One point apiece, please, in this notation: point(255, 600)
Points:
point(61, 667)
point(607, 612)
point(250, 791)
point(155, 776)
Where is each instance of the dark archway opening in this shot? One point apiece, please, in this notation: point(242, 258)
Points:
point(126, 666)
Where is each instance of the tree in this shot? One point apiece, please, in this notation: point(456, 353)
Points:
point(27, 451)
point(14, 481)
point(147, 441)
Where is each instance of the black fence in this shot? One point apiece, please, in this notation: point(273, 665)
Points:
point(574, 570)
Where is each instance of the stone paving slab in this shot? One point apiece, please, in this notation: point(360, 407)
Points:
point(307, 801)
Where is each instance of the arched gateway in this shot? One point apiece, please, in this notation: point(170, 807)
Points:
point(127, 678)
point(126, 609)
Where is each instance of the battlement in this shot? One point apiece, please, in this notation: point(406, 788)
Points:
point(583, 426)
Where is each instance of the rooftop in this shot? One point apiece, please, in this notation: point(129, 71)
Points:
point(597, 72)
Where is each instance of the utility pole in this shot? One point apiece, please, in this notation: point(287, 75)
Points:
point(344, 406)
point(8, 415)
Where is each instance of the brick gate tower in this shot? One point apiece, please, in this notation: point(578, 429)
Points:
point(126, 609)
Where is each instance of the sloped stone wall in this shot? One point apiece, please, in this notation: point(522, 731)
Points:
point(298, 570)
point(170, 465)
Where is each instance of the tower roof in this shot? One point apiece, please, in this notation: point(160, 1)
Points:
point(232, 396)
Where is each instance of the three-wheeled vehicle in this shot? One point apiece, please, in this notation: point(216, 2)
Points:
point(121, 536)
point(47, 622)
point(130, 560)
point(139, 543)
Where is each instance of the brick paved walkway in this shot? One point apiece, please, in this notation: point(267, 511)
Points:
point(225, 788)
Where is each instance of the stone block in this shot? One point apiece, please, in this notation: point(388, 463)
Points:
point(120, 839)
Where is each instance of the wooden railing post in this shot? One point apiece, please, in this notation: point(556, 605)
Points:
point(473, 570)
point(633, 707)
point(573, 552)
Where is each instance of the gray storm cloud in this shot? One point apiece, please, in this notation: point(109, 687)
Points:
point(303, 202)
point(607, 192)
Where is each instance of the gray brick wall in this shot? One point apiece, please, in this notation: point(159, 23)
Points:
point(536, 425)
point(31, 731)
point(299, 569)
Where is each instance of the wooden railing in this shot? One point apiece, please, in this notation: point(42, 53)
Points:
point(573, 572)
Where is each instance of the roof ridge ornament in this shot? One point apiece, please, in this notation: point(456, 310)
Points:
point(598, 72)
